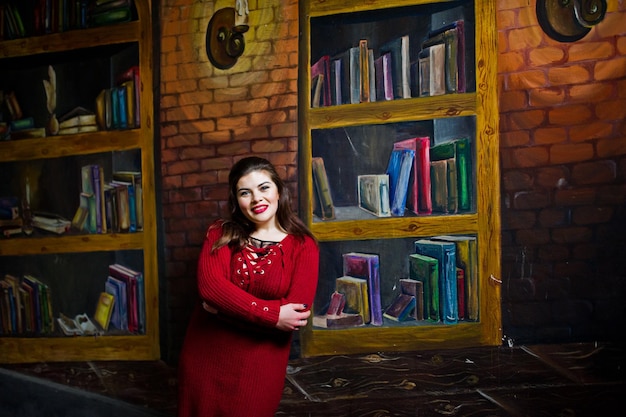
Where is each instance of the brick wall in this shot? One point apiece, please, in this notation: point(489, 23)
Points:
point(211, 117)
point(563, 156)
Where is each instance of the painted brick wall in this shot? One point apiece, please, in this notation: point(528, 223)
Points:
point(212, 117)
point(563, 156)
point(563, 163)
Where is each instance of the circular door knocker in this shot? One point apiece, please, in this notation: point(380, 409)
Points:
point(569, 20)
point(224, 40)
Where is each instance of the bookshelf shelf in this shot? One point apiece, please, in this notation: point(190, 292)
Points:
point(357, 137)
point(60, 146)
point(73, 266)
point(411, 109)
point(71, 244)
point(72, 40)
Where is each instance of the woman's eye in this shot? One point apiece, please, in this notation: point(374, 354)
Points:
point(265, 188)
point(243, 193)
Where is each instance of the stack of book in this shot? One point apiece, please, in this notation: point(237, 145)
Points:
point(389, 72)
point(118, 107)
point(126, 286)
point(25, 306)
point(18, 125)
point(109, 207)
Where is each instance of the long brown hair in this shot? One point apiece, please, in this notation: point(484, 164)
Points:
point(237, 229)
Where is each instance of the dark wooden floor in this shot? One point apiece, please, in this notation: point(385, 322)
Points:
point(541, 380)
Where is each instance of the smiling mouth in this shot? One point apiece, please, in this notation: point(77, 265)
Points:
point(259, 209)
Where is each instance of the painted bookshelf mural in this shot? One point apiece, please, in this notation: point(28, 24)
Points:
point(78, 239)
point(422, 281)
point(394, 170)
point(399, 159)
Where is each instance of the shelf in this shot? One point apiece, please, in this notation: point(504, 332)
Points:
point(328, 7)
point(396, 227)
point(71, 40)
point(354, 140)
point(18, 246)
point(401, 110)
point(77, 348)
point(66, 145)
point(73, 267)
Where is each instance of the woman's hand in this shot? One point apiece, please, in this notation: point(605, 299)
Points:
point(292, 317)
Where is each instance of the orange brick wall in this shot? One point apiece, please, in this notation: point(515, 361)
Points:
point(563, 164)
point(562, 155)
point(211, 117)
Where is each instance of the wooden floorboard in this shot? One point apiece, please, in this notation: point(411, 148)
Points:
point(586, 379)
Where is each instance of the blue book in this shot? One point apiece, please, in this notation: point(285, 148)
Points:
point(399, 171)
point(445, 253)
point(117, 288)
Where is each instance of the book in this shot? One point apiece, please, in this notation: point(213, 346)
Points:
point(341, 321)
point(400, 64)
point(136, 295)
point(354, 79)
point(321, 70)
point(445, 185)
point(382, 74)
point(460, 292)
point(416, 289)
point(373, 194)
point(51, 223)
point(355, 291)
point(464, 173)
point(366, 266)
point(131, 81)
point(17, 309)
point(104, 309)
point(399, 171)
point(401, 308)
point(364, 72)
point(80, 325)
point(445, 253)
point(467, 259)
point(336, 305)
point(437, 69)
point(122, 197)
point(28, 133)
point(316, 90)
point(25, 123)
point(335, 82)
point(9, 208)
point(78, 116)
point(419, 197)
point(109, 17)
point(454, 34)
point(425, 269)
point(135, 196)
point(119, 316)
point(323, 206)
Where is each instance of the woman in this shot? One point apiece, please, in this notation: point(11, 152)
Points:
point(257, 276)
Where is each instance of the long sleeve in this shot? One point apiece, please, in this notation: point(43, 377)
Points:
point(216, 288)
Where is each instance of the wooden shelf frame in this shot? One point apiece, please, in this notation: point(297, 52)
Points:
point(484, 222)
point(17, 349)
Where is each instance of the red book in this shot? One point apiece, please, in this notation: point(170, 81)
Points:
point(419, 199)
point(322, 66)
point(122, 273)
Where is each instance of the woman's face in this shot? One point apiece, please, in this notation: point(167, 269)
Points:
point(258, 197)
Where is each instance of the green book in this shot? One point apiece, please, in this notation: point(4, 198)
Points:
point(425, 269)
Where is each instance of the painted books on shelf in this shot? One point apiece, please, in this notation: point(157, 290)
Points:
point(323, 206)
point(373, 194)
point(366, 266)
point(445, 254)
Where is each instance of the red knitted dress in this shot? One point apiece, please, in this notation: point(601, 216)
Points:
point(233, 363)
